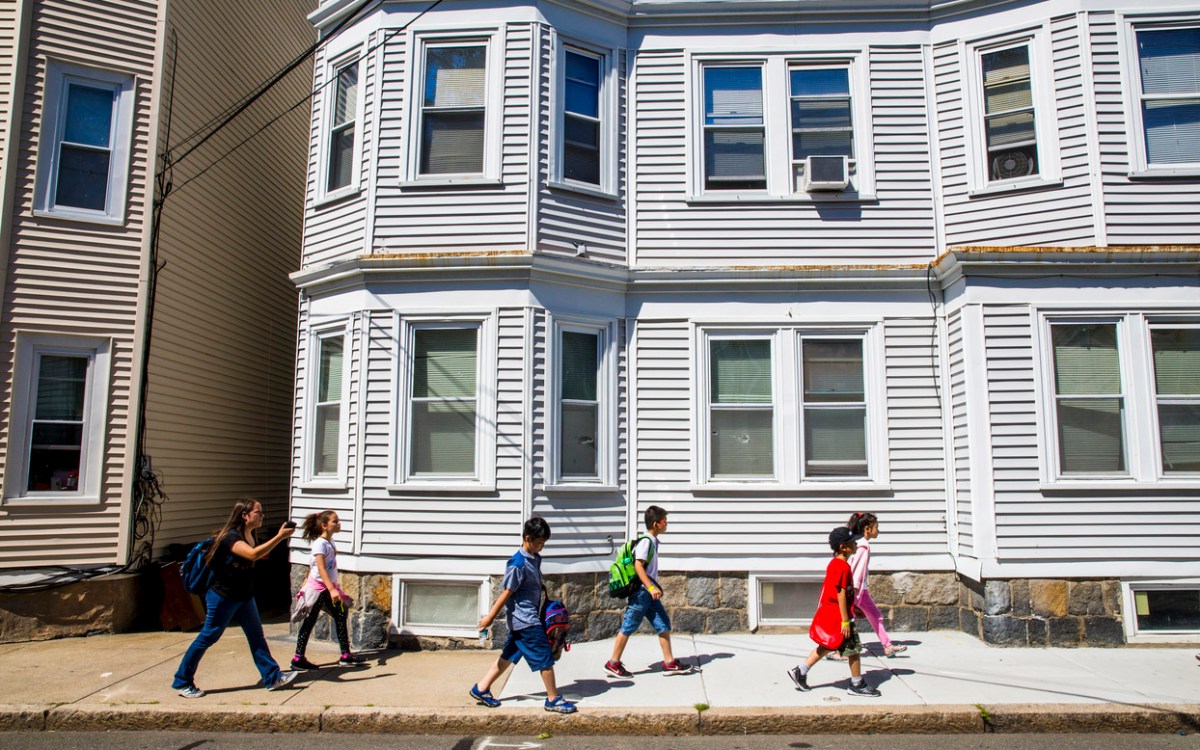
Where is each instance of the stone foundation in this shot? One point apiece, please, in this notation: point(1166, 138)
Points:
point(1021, 612)
point(106, 604)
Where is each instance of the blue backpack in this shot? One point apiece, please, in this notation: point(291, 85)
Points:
point(196, 574)
point(557, 622)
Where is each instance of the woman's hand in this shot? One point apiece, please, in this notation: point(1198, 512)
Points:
point(285, 530)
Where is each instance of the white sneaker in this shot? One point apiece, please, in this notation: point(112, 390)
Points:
point(285, 679)
point(191, 691)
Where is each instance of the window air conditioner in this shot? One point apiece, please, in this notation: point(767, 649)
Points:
point(826, 173)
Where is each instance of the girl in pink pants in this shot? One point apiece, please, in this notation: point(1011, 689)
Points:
point(868, 525)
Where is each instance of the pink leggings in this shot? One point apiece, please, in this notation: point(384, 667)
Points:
point(874, 616)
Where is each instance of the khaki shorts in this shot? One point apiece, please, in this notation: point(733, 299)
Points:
point(852, 646)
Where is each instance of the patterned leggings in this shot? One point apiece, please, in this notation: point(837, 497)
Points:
point(324, 602)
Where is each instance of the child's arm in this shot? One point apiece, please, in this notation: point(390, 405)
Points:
point(495, 611)
point(334, 593)
point(844, 608)
point(646, 580)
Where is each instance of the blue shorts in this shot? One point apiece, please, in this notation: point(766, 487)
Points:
point(531, 643)
point(642, 604)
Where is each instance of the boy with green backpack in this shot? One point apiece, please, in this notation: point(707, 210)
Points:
point(645, 598)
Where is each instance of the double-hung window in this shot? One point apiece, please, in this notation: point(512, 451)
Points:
point(59, 405)
point(328, 432)
point(1123, 398)
point(1013, 122)
point(734, 128)
point(1167, 108)
point(583, 137)
point(1176, 355)
point(343, 103)
point(742, 408)
point(792, 406)
point(584, 420)
point(453, 109)
point(759, 120)
point(83, 158)
point(1089, 400)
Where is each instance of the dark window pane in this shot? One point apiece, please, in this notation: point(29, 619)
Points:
point(89, 116)
point(579, 440)
point(82, 178)
point(1169, 609)
point(341, 158)
point(580, 360)
point(452, 143)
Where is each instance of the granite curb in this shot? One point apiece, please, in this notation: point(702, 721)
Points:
point(947, 719)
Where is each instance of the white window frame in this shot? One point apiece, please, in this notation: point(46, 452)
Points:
point(400, 580)
point(29, 348)
point(333, 68)
point(1139, 164)
point(608, 109)
point(606, 415)
point(59, 76)
point(1045, 111)
point(484, 477)
point(754, 598)
point(492, 39)
point(1129, 589)
point(786, 400)
point(317, 334)
point(1143, 450)
point(782, 182)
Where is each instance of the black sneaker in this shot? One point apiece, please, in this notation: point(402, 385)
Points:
point(350, 660)
point(864, 689)
point(300, 664)
point(799, 679)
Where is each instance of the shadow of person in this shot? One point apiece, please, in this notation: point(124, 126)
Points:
point(592, 688)
point(702, 659)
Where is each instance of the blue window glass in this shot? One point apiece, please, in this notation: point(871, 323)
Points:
point(581, 118)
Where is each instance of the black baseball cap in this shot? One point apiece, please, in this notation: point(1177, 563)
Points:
point(842, 535)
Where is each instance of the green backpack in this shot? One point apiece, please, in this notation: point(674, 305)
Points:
point(623, 579)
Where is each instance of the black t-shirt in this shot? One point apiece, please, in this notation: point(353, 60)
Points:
point(234, 576)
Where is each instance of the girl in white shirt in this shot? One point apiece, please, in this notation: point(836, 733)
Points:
point(322, 582)
point(867, 524)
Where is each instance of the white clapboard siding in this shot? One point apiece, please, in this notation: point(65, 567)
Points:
point(1061, 527)
point(103, 265)
point(960, 435)
point(718, 529)
point(480, 524)
point(337, 230)
point(568, 218)
point(420, 220)
point(1056, 216)
point(1143, 212)
point(896, 229)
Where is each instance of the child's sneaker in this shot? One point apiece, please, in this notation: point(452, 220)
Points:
point(350, 660)
point(560, 706)
point(616, 669)
point(191, 691)
point(285, 679)
point(484, 697)
point(677, 667)
point(800, 679)
point(300, 664)
point(864, 689)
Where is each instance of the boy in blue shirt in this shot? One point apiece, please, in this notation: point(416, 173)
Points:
point(522, 597)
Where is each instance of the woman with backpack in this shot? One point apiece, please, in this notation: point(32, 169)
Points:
point(230, 598)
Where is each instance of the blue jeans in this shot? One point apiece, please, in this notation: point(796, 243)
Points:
point(221, 612)
point(643, 605)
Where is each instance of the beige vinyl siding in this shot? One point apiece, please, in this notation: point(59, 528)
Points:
point(1142, 212)
point(433, 219)
point(567, 217)
point(222, 355)
point(960, 435)
point(898, 228)
point(10, 16)
point(75, 278)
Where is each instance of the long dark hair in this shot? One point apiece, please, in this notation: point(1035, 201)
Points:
point(236, 522)
point(860, 521)
point(314, 524)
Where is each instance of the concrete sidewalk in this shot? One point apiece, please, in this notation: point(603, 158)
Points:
point(945, 682)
